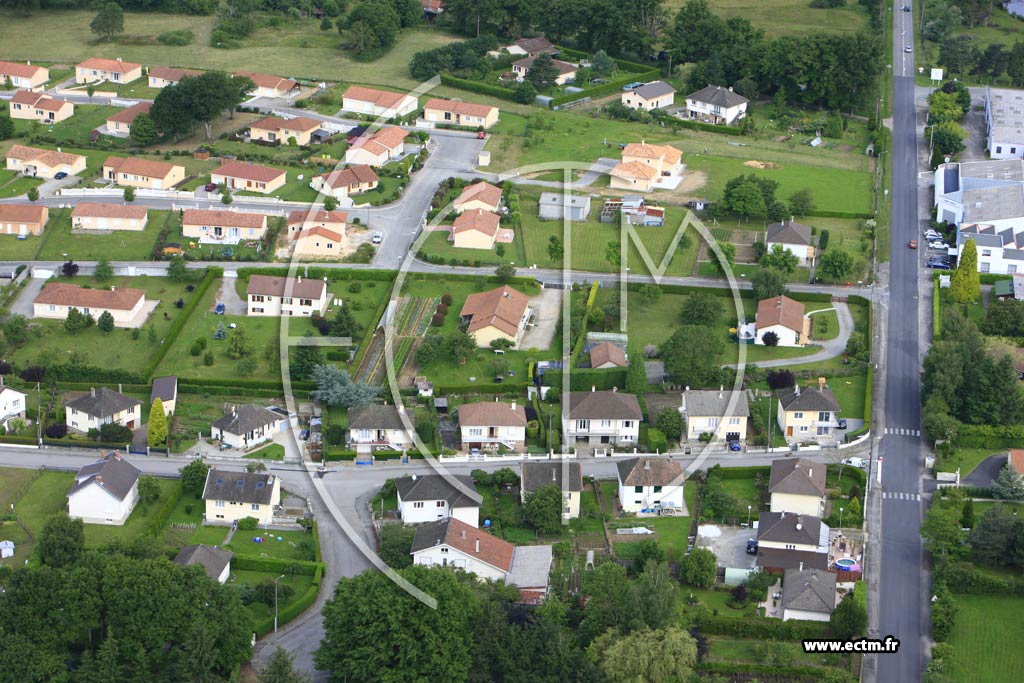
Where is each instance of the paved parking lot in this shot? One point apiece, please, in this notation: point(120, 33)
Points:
point(728, 543)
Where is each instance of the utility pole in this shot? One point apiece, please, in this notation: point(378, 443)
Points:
point(275, 601)
point(39, 416)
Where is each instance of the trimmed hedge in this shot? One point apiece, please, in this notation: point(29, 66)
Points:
point(86, 386)
point(777, 673)
point(273, 564)
point(334, 456)
point(584, 378)
point(735, 131)
point(23, 440)
point(332, 274)
point(514, 388)
point(200, 385)
point(767, 629)
point(742, 472)
point(228, 391)
point(991, 278)
point(990, 436)
point(82, 444)
point(820, 213)
point(212, 273)
point(92, 373)
point(477, 87)
point(289, 612)
point(159, 522)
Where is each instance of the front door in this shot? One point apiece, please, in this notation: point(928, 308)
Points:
point(218, 231)
point(789, 431)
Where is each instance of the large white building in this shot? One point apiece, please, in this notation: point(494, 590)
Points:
point(105, 492)
point(1004, 118)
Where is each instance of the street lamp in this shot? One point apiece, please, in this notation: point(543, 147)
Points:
point(840, 518)
point(275, 601)
point(748, 515)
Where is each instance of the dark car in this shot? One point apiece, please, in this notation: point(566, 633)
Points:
point(751, 547)
point(734, 445)
point(60, 176)
point(219, 309)
point(906, 8)
point(210, 187)
point(939, 265)
point(841, 423)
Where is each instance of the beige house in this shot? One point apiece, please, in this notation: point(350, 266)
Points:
point(530, 47)
point(500, 313)
point(43, 163)
point(282, 131)
point(632, 176)
point(12, 405)
point(37, 106)
point(643, 164)
point(649, 96)
point(567, 476)
point(479, 229)
point(808, 413)
point(301, 220)
point(102, 406)
point(481, 195)
point(707, 411)
point(321, 242)
point(345, 182)
point(121, 122)
point(566, 71)
point(239, 175)
point(23, 219)
point(487, 426)
point(601, 417)
point(373, 102)
point(143, 173)
point(126, 305)
point(220, 226)
point(269, 295)
point(231, 496)
point(456, 113)
point(163, 76)
point(378, 149)
point(784, 318)
point(26, 76)
point(98, 69)
point(269, 86)
point(90, 216)
point(797, 485)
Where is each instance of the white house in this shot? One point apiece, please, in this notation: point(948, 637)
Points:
point(430, 497)
point(707, 411)
point(231, 496)
point(246, 426)
point(790, 541)
point(797, 485)
point(784, 318)
point(601, 417)
point(105, 492)
point(216, 562)
point(1004, 117)
point(715, 104)
point(453, 543)
point(793, 236)
point(12, 405)
point(488, 426)
point(269, 295)
point(567, 476)
point(101, 216)
point(102, 406)
point(809, 595)
point(378, 426)
point(646, 482)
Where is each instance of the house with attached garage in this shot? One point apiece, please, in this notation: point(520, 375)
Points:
point(105, 492)
point(276, 130)
point(784, 318)
point(479, 229)
point(128, 306)
point(378, 426)
point(500, 313)
point(790, 541)
point(381, 103)
point(43, 163)
point(489, 426)
point(245, 426)
point(647, 482)
point(797, 485)
point(481, 195)
point(165, 389)
point(163, 76)
point(240, 175)
point(794, 237)
point(23, 219)
point(555, 207)
point(269, 86)
point(218, 226)
point(430, 497)
point(12, 405)
point(231, 496)
point(567, 476)
point(102, 406)
point(120, 123)
point(457, 113)
point(98, 69)
point(710, 412)
point(216, 562)
point(378, 149)
point(101, 216)
point(601, 417)
point(717, 105)
point(37, 106)
point(808, 413)
point(27, 76)
point(649, 96)
point(143, 173)
point(808, 595)
point(346, 182)
point(270, 295)
point(566, 71)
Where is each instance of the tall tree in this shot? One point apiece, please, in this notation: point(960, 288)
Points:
point(965, 285)
point(193, 478)
point(280, 668)
point(691, 355)
point(659, 656)
point(61, 541)
point(109, 21)
point(143, 131)
point(543, 509)
point(768, 283)
point(835, 265)
point(781, 259)
point(543, 72)
point(157, 435)
point(334, 387)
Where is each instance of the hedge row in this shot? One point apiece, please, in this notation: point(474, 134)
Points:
point(515, 388)
point(138, 388)
point(821, 213)
point(289, 612)
point(742, 472)
point(964, 577)
point(936, 312)
point(768, 629)
point(274, 565)
point(23, 440)
point(228, 391)
point(332, 274)
point(990, 278)
point(990, 436)
point(201, 385)
point(477, 87)
point(585, 378)
point(91, 373)
point(158, 523)
point(776, 673)
point(212, 273)
point(735, 131)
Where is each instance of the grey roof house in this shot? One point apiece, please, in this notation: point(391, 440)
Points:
point(715, 104)
point(552, 206)
point(809, 595)
point(246, 426)
point(378, 426)
point(602, 417)
point(165, 389)
point(567, 476)
point(432, 497)
point(797, 485)
point(101, 406)
point(231, 496)
point(216, 562)
point(791, 541)
point(105, 491)
point(708, 411)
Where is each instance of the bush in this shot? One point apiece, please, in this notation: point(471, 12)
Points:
point(437, 319)
point(247, 523)
point(656, 440)
point(56, 431)
point(446, 299)
point(355, 287)
point(176, 38)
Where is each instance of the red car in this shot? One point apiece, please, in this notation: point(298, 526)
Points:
point(480, 135)
point(912, 244)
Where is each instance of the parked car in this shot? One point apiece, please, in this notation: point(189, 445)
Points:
point(931, 235)
point(939, 265)
point(734, 445)
point(841, 423)
point(906, 8)
point(481, 135)
point(856, 462)
point(938, 244)
point(908, 49)
point(219, 309)
point(60, 176)
point(378, 237)
point(751, 546)
point(912, 244)
point(210, 187)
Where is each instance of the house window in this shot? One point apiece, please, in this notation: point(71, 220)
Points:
point(986, 252)
point(627, 424)
point(219, 503)
point(798, 416)
point(734, 420)
point(606, 423)
point(418, 505)
point(638, 489)
point(803, 429)
point(444, 550)
point(1013, 150)
point(657, 489)
point(1011, 269)
point(824, 431)
point(999, 150)
point(440, 503)
point(824, 416)
point(476, 431)
point(790, 546)
point(255, 507)
point(984, 267)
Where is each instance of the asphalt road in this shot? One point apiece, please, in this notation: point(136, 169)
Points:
point(902, 612)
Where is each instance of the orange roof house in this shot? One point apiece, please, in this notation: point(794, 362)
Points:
point(458, 113)
point(240, 175)
point(785, 318)
point(23, 219)
point(269, 86)
point(478, 229)
point(275, 129)
point(43, 163)
point(374, 102)
point(143, 173)
point(497, 314)
point(103, 216)
point(480, 195)
point(96, 69)
point(344, 182)
point(163, 76)
point(38, 106)
point(121, 122)
point(21, 75)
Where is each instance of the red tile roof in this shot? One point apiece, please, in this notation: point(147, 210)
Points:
point(140, 167)
point(633, 169)
point(302, 123)
point(101, 64)
point(65, 294)
point(780, 310)
point(492, 414)
point(101, 210)
point(476, 220)
point(268, 81)
point(350, 176)
point(247, 171)
point(217, 217)
point(46, 156)
point(383, 140)
point(128, 115)
point(21, 213)
point(482, 191)
point(1016, 459)
point(299, 216)
point(502, 307)
point(170, 73)
point(18, 69)
point(321, 232)
point(38, 100)
point(381, 98)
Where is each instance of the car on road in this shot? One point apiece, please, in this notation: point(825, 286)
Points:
point(912, 244)
point(939, 265)
point(210, 187)
point(906, 8)
point(856, 462)
point(219, 309)
point(908, 49)
point(378, 237)
point(60, 176)
point(751, 547)
point(480, 135)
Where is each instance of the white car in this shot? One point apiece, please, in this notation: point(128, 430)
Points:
point(932, 236)
point(908, 49)
point(378, 237)
point(856, 462)
point(938, 244)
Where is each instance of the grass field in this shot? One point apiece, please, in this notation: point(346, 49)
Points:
point(272, 452)
point(12, 481)
point(755, 652)
point(15, 186)
point(716, 601)
point(985, 638)
point(965, 458)
point(299, 583)
point(117, 245)
point(76, 129)
point(786, 17)
point(1001, 28)
point(290, 547)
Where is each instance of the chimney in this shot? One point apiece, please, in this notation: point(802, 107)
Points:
point(796, 389)
point(801, 567)
point(513, 406)
point(821, 383)
point(93, 392)
point(478, 546)
point(463, 534)
point(647, 463)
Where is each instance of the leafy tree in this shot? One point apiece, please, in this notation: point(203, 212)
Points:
point(998, 538)
point(967, 514)
point(724, 261)
point(305, 358)
point(396, 545)
point(335, 387)
point(777, 211)
point(699, 568)
point(959, 54)
point(701, 308)
point(670, 422)
point(330, 203)
point(371, 28)
point(965, 285)
point(238, 344)
point(505, 272)
point(849, 619)
point(61, 541)
point(76, 321)
point(106, 322)
point(268, 592)
point(770, 339)
point(746, 200)
point(801, 202)
point(780, 379)
point(947, 138)
point(326, 24)
point(941, 531)
point(280, 666)
point(104, 271)
point(602, 65)
point(650, 294)
point(16, 329)
point(835, 265)
point(1008, 485)
point(543, 509)
point(660, 656)
point(33, 194)
point(112, 432)
point(690, 355)
point(149, 490)
point(525, 93)
point(143, 131)
point(193, 478)
point(636, 374)
point(781, 259)
point(129, 194)
point(176, 270)
point(542, 72)
point(6, 127)
point(109, 21)
point(157, 423)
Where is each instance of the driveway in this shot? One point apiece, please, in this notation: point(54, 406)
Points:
point(546, 314)
point(228, 295)
point(986, 471)
point(22, 304)
point(829, 349)
point(728, 543)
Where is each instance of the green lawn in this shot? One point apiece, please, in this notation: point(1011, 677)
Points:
point(849, 392)
point(673, 534)
point(54, 345)
point(824, 326)
point(299, 584)
point(12, 481)
point(272, 452)
point(716, 601)
point(118, 245)
point(76, 129)
point(786, 17)
point(142, 515)
point(438, 244)
point(985, 638)
point(965, 458)
point(754, 652)
point(18, 186)
point(980, 507)
point(289, 548)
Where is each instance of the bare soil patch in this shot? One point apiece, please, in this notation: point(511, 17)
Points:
point(753, 163)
